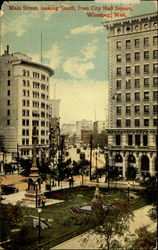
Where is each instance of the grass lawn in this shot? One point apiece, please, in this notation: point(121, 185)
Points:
point(63, 226)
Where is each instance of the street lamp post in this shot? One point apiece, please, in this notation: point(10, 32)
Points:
point(128, 191)
point(39, 225)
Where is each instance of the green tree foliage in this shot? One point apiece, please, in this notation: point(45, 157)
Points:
point(109, 225)
point(144, 240)
point(150, 192)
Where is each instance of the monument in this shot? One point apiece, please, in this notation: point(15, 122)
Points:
point(34, 197)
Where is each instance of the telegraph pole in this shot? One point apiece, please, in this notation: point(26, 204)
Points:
point(91, 148)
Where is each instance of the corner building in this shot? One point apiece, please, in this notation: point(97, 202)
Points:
point(133, 93)
point(24, 93)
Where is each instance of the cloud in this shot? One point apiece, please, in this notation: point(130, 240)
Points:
point(80, 99)
point(54, 56)
point(77, 68)
point(89, 51)
point(19, 25)
point(89, 28)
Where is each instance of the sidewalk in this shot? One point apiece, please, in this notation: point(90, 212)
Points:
point(140, 219)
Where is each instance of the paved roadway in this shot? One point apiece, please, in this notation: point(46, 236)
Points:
point(140, 219)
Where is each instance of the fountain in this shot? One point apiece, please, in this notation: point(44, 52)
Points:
point(93, 207)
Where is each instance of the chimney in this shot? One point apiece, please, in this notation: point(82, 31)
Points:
point(7, 49)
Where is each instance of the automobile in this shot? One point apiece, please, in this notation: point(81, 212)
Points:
point(8, 189)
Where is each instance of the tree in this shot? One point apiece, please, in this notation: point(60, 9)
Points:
point(82, 168)
point(131, 173)
point(108, 225)
point(144, 240)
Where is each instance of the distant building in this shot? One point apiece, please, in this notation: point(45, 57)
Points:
point(133, 93)
point(99, 126)
point(86, 136)
point(54, 107)
point(68, 129)
point(24, 86)
point(83, 125)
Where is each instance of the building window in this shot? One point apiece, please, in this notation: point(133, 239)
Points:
point(128, 97)
point(155, 122)
point(128, 110)
point(118, 123)
point(146, 55)
point(146, 82)
point(128, 57)
point(137, 56)
point(118, 110)
point(35, 75)
point(128, 84)
point(146, 122)
point(118, 84)
point(128, 70)
point(137, 83)
point(8, 82)
point(118, 44)
point(118, 97)
point(128, 44)
point(8, 122)
point(155, 40)
point(130, 140)
point(146, 41)
point(137, 109)
point(155, 67)
point(137, 96)
point(155, 109)
point(8, 112)
point(155, 54)
point(118, 70)
point(137, 69)
point(137, 122)
point(128, 122)
point(24, 72)
point(146, 109)
point(43, 77)
point(28, 74)
point(8, 92)
point(155, 95)
point(118, 58)
point(9, 73)
point(155, 81)
point(8, 102)
point(145, 140)
point(136, 43)
point(146, 96)
point(137, 140)
point(146, 69)
point(118, 139)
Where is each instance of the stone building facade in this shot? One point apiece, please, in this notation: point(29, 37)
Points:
point(133, 93)
point(24, 94)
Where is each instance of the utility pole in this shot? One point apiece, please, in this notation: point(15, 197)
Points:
point(91, 148)
point(107, 166)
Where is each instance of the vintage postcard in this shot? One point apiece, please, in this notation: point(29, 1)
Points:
point(78, 124)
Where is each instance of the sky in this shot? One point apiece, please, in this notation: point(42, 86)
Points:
point(74, 44)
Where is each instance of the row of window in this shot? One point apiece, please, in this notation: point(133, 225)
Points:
point(26, 73)
point(25, 141)
point(137, 27)
point(26, 83)
point(137, 56)
point(35, 75)
point(25, 132)
point(137, 109)
point(133, 140)
point(137, 96)
point(34, 94)
point(137, 42)
point(137, 69)
point(136, 122)
point(137, 82)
